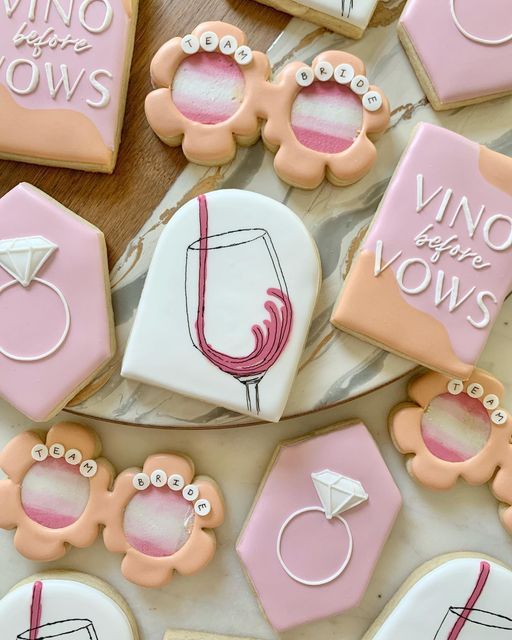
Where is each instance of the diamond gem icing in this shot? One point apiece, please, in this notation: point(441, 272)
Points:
point(22, 258)
point(337, 493)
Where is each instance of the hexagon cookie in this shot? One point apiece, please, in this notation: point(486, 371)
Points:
point(56, 322)
point(320, 520)
point(458, 49)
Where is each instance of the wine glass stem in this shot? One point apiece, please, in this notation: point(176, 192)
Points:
point(252, 394)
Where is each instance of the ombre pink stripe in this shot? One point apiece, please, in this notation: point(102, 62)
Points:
point(321, 141)
point(441, 450)
point(48, 518)
point(344, 130)
point(149, 547)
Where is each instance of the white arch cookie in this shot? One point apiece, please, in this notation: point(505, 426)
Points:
point(459, 596)
point(67, 605)
point(227, 304)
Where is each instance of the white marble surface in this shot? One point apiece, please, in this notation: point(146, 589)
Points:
point(220, 599)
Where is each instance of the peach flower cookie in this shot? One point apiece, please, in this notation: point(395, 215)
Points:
point(207, 87)
point(458, 596)
point(460, 49)
point(64, 70)
point(65, 605)
point(321, 121)
point(348, 17)
point(54, 491)
point(161, 518)
point(56, 320)
point(435, 267)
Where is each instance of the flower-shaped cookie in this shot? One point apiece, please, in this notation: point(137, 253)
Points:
point(54, 490)
point(321, 119)
point(207, 88)
point(455, 429)
point(161, 519)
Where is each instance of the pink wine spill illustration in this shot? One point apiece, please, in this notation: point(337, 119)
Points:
point(269, 340)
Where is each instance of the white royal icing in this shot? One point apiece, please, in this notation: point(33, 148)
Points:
point(433, 606)
point(64, 604)
point(356, 12)
point(255, 244)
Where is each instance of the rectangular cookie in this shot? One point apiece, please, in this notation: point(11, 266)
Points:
point(348, 17)
point(436, 264)
point(64, 68)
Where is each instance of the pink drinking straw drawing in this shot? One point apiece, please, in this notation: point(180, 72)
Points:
point(485, 569)
point(36, 609)
point(271, 338)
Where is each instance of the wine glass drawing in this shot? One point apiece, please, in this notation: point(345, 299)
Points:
point(231, 280)
point(471, 623)
point(346, 5)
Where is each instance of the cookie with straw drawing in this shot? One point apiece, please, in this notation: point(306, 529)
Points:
point(54, 490)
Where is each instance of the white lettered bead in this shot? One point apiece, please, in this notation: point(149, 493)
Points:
point(344, 73)
point(202, 507)
point(57, 450)
point(89, 468)
point(228, 45)
point(191, 492)
point(304, 76)
point(141, 481)
point(491, 402)
point(190, 44)
point(455, 387)
point(499, 416)
point(209, 41)
point(158, 478)
point(39, 452)
point(324, 71)
point(73, 456)
point(176, 482)
point(243, 55)
point(475, 390)
point(372, 101)
point(360, 85)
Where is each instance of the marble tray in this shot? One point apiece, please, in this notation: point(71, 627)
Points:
point(335, 367)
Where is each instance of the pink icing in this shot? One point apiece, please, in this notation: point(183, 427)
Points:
point(459, 68)
point(54, 493)
point(77, 269)
point(158, 521)
point(108, 52)
point(311, 545)
point(208, 87)
point(483, 576)
point(398, 223)
point(326, 117)
point(455, 428)
point(269, 342)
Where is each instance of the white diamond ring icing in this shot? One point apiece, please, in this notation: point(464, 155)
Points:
point(22, 258)
point(337, 494)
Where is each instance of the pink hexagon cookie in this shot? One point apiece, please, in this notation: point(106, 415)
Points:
point(316, 530)
point(56, 322)
point(459, 49)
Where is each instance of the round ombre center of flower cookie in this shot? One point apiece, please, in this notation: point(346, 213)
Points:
point(158, 521)
point(455, 428)
point(326, 117)
point(54, 493)
point(208, 88)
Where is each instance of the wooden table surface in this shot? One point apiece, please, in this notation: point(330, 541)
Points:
point(119, 204)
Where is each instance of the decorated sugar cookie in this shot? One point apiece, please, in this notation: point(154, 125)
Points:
point(322, 515)
point(55, 490)
point(334, 113)
point(436, 264)
point(458, 49)
point(161, 517)
point(56, 321)
point(227, 304)
point(348, 17)
point(64, 68)
point(65, 605)
point(212, 93)
point(459, 596)
point(207, 87)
